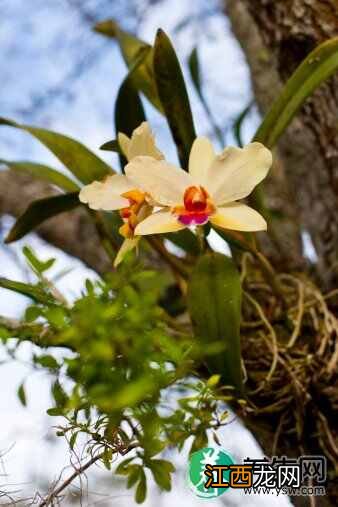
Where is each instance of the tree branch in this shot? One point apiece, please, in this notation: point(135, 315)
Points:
point(73, 232)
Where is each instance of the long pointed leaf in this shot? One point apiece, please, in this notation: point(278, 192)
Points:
point(41, 210)
point(82, 162)
point(214, 301)
point(44, 173)
point(174, 97)
point(31, 291)
point(131, 48)
point(317, 67)
point(129, 112)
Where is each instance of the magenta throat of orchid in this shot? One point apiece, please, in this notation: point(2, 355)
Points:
point(193, 219)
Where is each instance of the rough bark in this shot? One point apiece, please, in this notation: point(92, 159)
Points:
point(73, 232)
point(276, 36)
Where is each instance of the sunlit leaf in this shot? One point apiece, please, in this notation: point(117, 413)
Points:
point(174, 97)
point(214, 301)
point(37, 265)
point(39, 211)
point(82, 162)
point(27, 289)
point(44, 173)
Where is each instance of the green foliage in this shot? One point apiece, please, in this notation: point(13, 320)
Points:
point(317, 67)
point(129, 112)
point(36, 264)
point(22, 394)
point(39, 211)
point(195, 74)
point(35, 292)
point(44, 173)
point(174, 97)
point(112, 145)
point(132, 48)
point(238, 124)
point(214, 300)
point(122, 363)
point(82, 162)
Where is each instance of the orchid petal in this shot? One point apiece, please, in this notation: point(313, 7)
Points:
point(235, 173)
point(142, 142)
point(106, 194)
point(160, 222)
point(202, 155)
point(164, 182)
point(238, 217)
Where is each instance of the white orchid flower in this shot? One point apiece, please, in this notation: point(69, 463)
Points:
point(118, 192)
point(209, 192)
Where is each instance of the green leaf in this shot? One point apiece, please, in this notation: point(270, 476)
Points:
point(39, 211)
point(42, 172)
point(214, 301)
point(200, 441)
point(195, 74)
point(194, 69)
point(112, 145)
point(46, 361)
point(162, 470)
point(31, 291)
point(131, 48)
point(107, 458)
point(37, 265)
point(141, 490)
point(72, 440)
point(317, 67)
point(59, 394)
point(133, 476)
point(129, 113)
point(174, 97)
point(238, 123)
point(22, 395)
point(54, 411)
point(122, 468)
point(82, 162)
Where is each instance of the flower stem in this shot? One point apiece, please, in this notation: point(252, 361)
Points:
point(201, 239)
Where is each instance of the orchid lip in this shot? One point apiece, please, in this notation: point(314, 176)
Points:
point(191, 219)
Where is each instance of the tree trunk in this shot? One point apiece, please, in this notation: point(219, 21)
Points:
point(276, 36)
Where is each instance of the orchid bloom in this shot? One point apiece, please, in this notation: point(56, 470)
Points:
point(209, 192)
point(118, 192)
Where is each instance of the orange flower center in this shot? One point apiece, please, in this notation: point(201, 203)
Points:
point(197, 207)
point(129, 214)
